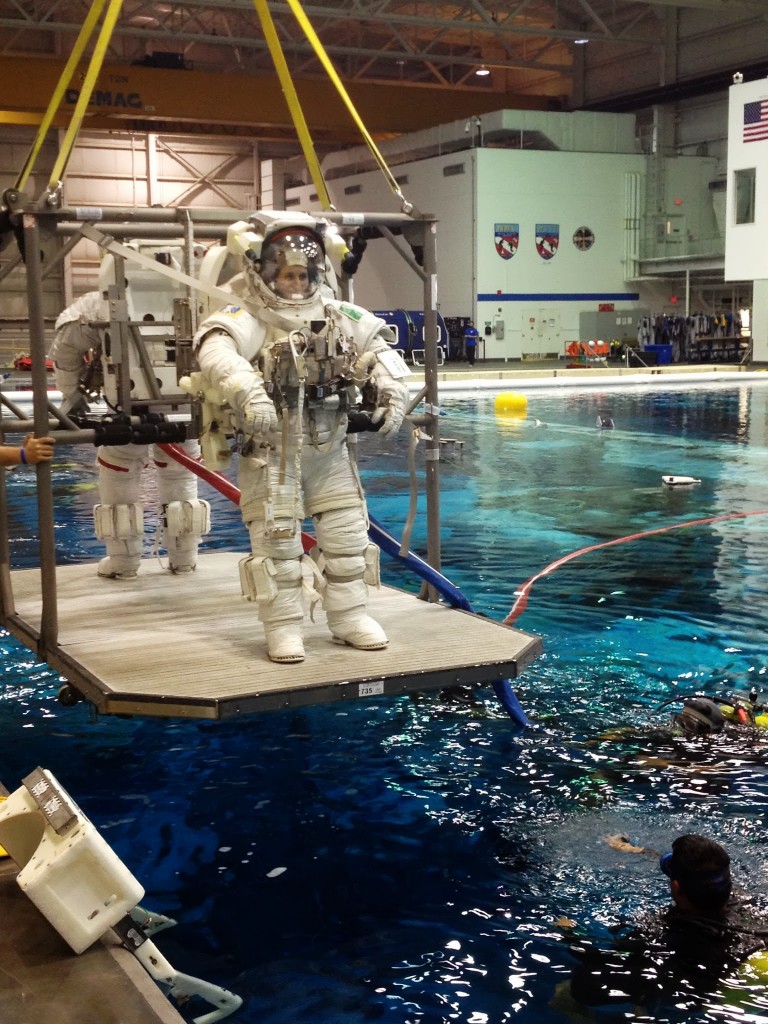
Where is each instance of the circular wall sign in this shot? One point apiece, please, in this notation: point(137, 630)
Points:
point(583, 239)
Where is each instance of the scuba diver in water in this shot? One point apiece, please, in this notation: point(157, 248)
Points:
point(709, 715)
point(698, 717)
point(698, 739)
point(683, 952)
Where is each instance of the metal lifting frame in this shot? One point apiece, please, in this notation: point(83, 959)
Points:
point(47, 420)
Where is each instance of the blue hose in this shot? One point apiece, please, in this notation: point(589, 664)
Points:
point(443, 586)
point(502, 688)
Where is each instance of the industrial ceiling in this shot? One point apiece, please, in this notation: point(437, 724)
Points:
point(536, 53)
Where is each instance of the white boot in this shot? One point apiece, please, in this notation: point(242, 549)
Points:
point(345, 606)
point(275, 584)
point(282, 620)
point(121, 527)
point(285, 643)
point(122, 562)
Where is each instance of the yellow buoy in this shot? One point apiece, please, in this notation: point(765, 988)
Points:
point(511, 403)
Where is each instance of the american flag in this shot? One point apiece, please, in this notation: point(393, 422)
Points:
point(756, 121)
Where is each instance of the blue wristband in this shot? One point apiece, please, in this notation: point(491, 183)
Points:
point(23, 455)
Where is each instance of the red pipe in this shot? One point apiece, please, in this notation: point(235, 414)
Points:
point(521, 595)
point(217, 480)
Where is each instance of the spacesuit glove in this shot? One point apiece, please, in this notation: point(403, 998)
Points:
point(259, 416)
point(390, 410)
point(255, 410)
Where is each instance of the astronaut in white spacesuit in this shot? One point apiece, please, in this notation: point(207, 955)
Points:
point(285, 364)
point(119, 517)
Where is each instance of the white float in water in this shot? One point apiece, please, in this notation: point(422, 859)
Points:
point(680, 481)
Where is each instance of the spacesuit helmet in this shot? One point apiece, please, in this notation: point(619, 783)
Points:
point(292, 262)
point(284, 256)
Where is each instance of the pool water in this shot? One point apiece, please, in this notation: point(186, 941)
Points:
point(407, 860)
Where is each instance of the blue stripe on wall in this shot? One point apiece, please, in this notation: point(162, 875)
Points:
point(558, 297)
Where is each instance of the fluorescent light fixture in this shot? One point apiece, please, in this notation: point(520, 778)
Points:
point(580, 42)
point(482, 71)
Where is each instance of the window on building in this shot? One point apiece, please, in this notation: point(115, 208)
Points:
point(744, 186)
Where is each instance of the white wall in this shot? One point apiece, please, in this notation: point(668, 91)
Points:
point(570, 191)
point(759, 324)
point(109, 169)
point(746, 252)
point(539, 301)
point(384, 280)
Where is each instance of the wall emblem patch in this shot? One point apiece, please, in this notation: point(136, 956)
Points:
point(547, 240)
point(506, 239)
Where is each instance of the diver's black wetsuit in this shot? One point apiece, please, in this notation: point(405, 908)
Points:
point(672, 953)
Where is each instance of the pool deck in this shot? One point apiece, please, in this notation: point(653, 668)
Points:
point(44, 982)
point(489, 375)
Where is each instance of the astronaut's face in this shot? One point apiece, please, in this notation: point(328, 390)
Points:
point(292, 282)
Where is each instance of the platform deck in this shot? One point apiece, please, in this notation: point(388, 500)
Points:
point(191, 646)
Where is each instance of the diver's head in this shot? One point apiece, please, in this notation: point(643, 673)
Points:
point(699, 873)
point(700, 716)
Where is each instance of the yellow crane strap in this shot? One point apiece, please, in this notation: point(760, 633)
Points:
point(58, 94)
point(83, 99)
point(317, 46)
point(292, 99)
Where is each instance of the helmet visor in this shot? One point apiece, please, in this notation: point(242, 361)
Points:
point(292, 262)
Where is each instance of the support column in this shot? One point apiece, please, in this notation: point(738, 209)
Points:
point(759, 321)
point(273, 185)
point(152, 191)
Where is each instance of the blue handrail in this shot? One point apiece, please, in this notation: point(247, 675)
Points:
point(379, 535)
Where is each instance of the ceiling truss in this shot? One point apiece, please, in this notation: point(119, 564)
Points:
point(416, 41)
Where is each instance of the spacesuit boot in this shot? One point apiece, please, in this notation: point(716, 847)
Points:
point(184, 525)
point(345, 607)
point(121, 527)
point(276, 586)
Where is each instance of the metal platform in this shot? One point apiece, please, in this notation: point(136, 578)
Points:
point(192, 647)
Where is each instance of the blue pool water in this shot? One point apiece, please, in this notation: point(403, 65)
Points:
point(428, 849)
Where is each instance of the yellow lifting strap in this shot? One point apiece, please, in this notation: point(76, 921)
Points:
point(292, 99)
point(325, 61)
point(84, 98)
point(58, 94)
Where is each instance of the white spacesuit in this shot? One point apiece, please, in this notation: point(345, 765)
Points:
point(281, 369)
point(119, 518)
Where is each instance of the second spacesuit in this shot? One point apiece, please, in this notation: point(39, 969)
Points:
point(280, 369)
point(119, 517)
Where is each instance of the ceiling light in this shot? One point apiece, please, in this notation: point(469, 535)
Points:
point(482, 71)
point(580, 42)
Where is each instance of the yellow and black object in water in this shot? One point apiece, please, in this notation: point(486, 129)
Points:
point(744, 713)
